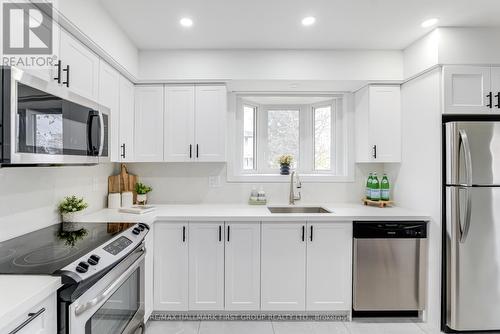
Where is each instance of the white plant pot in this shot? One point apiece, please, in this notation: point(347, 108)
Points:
point(71, 221)
point(142, 198)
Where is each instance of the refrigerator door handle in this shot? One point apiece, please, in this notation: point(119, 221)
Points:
point(464, 231)
point(464, 142)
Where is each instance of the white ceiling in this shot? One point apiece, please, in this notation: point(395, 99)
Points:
point(275, 24)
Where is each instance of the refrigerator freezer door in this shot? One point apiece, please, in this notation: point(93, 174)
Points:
point(479, 141)
point(473, 266)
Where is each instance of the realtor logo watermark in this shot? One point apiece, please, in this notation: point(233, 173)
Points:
point(28, 34)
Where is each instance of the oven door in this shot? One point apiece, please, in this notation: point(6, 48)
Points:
point(115, 304)
point(51, 125)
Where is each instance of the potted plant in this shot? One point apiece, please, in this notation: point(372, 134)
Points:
point(71, 209)
point(285, 161)
point(142, 190)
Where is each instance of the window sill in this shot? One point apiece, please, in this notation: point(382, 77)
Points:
point(276, 178)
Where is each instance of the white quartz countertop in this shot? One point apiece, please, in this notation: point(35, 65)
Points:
point(20, 292)
point(235, 212)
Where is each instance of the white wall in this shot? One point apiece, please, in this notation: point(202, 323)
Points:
point(29, 195)
point(270, 65)
point(182, 183)
point(417, 180)
point(93, 20)
point(421, 55)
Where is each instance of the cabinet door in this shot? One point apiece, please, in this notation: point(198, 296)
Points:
point(210, 123)
point(242, 284)
point(206, 266)
point(385, 123)
point(126, 121)
point(109, 96)
point(83, 73)
point(283, 276)
point(171, 266)
point(495, 88)
point(44, 322)
point(466, 89)
point(148, 125)
point(329, 266)
point(179, 123)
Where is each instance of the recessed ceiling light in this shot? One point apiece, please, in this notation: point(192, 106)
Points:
point(186, 22)
point(308, 21)
point(429, 23)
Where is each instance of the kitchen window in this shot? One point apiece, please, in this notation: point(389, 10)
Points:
point(314, 129)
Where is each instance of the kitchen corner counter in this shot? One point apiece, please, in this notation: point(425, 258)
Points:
point(242, 212)
point(20, 292)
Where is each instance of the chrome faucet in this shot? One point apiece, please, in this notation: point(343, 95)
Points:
point(294, 197)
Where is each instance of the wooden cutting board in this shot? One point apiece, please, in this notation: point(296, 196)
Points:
point(122, 182)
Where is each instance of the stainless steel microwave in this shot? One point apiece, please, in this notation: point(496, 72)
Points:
point(42, 123)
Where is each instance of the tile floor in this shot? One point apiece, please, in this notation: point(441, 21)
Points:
point(283, 327)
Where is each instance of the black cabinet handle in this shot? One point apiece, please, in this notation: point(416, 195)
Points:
point(490, 99)
point(228, 231)
point(220, 233)
point(31, 317)
point(184, 234)
point(123, 150)
point(58, 78)
point(197, 151)
point(374, 151)
point(498, 100)
point(311, 236)
point(190, 151)
point(303, 233)
point(67, 76)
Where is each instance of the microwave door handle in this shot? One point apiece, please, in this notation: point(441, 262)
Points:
point(101, 133)
point(90, 123)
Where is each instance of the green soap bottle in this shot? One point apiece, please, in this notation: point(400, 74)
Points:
point(375, 188)
point(368, 186)
point(385, 188)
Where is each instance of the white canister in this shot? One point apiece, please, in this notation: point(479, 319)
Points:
point(127, 199)
point(114, 200)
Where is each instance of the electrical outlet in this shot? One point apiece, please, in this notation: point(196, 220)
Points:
point(214, 181)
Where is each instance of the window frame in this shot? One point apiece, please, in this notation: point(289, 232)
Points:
point(342, 151)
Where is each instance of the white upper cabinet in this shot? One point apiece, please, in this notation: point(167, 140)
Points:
point(329, 266)
point(242, 283)
point(179, 123)
point(378, 124)
point(126, 121)
point(467, 89)
point(206, 266)
point(283, 265)
point(171, 266)
point(210, 123)
point(109, 96)
point(80, 67)
point(148, 125)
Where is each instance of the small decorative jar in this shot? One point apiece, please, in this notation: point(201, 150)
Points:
point(285, 170)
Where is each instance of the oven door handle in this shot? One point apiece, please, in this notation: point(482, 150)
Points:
point(104, 295)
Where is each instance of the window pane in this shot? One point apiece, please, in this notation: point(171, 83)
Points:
point(248, 137)
point(282, 135)
point(322, 138)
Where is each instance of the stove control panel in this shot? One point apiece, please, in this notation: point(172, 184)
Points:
point(109, 253)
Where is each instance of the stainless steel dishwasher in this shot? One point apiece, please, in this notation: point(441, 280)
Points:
point(390, 266)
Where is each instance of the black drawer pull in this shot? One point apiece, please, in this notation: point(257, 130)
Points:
point(58, 78)
point(67, 76)
point(490, 100)
point(184, 234)
point(220, 233)
point(303, 233)
point(311, 236)
point(228, 231)
point(31, 317)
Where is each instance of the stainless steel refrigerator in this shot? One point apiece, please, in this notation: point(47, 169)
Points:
point(471, 235)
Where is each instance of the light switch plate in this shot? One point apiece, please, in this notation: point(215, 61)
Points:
point(214, 181)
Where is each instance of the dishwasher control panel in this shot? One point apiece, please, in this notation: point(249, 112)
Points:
point(400, 230)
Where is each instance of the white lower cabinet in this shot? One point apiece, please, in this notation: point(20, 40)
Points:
point(283, 267)
point(329, 266)
point(43, 315)
point(242, 266)
point(206, 266)
point(171, 266)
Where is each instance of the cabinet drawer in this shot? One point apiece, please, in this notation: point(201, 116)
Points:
point(38, 319)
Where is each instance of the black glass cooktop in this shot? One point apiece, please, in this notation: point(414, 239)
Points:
point(47, 250)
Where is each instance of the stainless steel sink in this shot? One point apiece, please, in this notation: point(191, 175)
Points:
point(297, 209)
